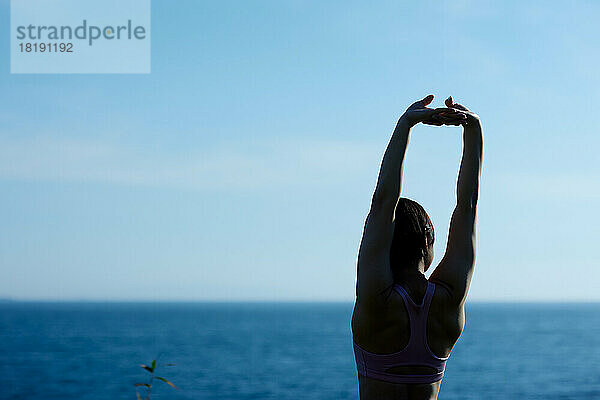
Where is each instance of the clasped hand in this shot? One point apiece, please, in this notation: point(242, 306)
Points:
point(452, 114)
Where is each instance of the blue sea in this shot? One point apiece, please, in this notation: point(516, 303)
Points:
point(281, 351)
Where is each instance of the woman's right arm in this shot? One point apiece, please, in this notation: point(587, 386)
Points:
point(456, 268)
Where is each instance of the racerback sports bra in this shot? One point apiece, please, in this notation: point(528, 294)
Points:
point(416, 352)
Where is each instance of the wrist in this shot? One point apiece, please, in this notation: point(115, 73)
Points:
point(404, 122)
point(473, 132)
point(473, 123)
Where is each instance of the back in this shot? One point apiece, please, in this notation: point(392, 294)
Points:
point(402, 345)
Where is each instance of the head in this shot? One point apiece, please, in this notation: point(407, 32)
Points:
point(413, 238)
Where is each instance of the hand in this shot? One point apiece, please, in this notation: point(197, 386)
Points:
point(418, 112)
point(472, 118)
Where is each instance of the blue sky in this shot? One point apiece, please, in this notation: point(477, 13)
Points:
point(242, 167)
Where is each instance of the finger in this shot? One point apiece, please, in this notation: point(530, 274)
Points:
point(433, 122)
point(442, 110)
point(452, 117)
point(427, 100)
point(452, 112)
point(450, 103)
point(423, 102)
point(460, 107)
point(431, 118)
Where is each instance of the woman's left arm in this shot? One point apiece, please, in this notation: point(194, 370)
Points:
point(456, 267)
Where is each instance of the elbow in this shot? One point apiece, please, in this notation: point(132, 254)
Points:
point(468, 203)
point(382, 197)
point(467, 206)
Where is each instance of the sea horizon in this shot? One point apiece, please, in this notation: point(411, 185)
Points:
point(275, 301)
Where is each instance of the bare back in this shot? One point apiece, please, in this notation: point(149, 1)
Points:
point(387, 330)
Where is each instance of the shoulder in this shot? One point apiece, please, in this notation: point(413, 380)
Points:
point(373, 310)
point(377, 303)
point(446, 310)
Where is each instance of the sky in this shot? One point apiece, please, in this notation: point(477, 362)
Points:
point(242, 167)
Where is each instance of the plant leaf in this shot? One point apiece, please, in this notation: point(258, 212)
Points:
point(160, 378)
point(153, 364)
point(143, 384)
point(138, 396)
point(147, 368)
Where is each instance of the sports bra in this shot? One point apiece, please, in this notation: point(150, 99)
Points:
point(416, 352)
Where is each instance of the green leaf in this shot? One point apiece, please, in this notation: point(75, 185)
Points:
point(143, 384)
point(147, 368)
point(160, 378)
point(153, 364)
point(138, 396)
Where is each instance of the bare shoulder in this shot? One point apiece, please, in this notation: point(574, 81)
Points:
point(372, 310)
point(447, 313)
point(371, 320)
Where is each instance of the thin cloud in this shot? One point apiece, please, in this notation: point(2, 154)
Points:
point(239, 166)
point(562, 186)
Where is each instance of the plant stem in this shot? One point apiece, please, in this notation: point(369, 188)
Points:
point(150, 388)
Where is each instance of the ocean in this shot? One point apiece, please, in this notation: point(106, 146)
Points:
point(281, 351)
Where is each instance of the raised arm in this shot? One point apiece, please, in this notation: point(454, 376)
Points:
point(374, 275)
point(456, 268)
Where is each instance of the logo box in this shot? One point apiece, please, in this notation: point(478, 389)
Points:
point(80, 36)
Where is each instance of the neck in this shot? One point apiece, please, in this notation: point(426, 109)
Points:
point(417, 272)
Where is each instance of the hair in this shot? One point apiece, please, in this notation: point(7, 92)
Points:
point(413, 232)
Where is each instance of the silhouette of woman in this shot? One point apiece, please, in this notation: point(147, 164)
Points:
point(405, 325)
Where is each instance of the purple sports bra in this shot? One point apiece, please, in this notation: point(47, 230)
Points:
point(416, 352)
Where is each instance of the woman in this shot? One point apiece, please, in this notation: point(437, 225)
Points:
point(404, 325)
